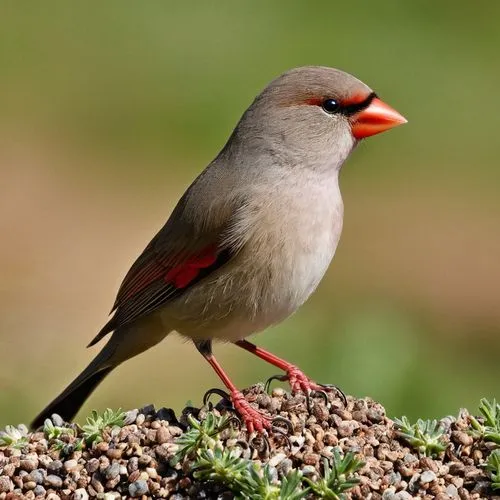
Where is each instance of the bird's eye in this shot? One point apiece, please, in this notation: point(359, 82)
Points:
point(330, 106)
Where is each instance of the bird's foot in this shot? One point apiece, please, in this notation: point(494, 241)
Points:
point(254, 420)
point(300, 382)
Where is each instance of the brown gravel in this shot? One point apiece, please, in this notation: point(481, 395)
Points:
point(135, 461)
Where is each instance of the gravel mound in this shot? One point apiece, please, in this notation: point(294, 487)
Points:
point(137, 460)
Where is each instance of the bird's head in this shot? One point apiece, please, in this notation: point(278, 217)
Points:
point(316, 113)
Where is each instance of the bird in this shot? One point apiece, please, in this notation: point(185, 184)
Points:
point(250, 239)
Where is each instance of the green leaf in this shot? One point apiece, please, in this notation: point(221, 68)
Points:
point(338, 476)
point(493, 467)
point(426, 436)
point(96, 424)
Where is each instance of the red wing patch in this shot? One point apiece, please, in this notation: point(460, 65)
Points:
point(151, 283)
point(180, 276)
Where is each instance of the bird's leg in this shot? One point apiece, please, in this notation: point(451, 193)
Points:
point(297, 379)
point(253, 419)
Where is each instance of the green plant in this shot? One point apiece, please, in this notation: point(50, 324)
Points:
point(52, 431)
point(489, 430)
point(493, 467)
point(260, 482)
point(200, 435)
point(246, 478)
point(63, 438)
point(219, 465)
point(16, 437)
point(337, 476)
point(426, 436)
point(96, 424)
point(291, 486)
point(68, 448)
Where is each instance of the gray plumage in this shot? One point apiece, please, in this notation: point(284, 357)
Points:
point(270, 206)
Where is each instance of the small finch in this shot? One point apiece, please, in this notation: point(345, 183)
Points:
point(250, 239)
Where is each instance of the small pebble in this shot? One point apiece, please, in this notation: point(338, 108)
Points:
point(5, 484)
point(28, 464)
point(39, 490)
point(37, 476)
point(162, 435)
point(70, 465)
point(427, 476)
point(347, 428)
point(112, 471)
point(55, 466)
point(54, 481)
point(29, 485)
point(138, 488)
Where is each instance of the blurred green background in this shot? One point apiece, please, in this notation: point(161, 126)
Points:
point(109, 110)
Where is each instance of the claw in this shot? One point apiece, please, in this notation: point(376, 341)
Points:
point(215, 390)
point(261, 444)
point(280, 433)
point(308, 402)
point(233, 419)
point(340, 393)
point(322, 394)
point(224, 404)
point(282, 420)
point(301, 383)
point(242, 444)
point(267, 385)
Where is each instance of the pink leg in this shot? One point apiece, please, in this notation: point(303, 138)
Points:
point(297, 379)
point(254, 420)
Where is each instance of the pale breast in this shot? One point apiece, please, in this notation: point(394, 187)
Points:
point(287, 242)
point(310, 226)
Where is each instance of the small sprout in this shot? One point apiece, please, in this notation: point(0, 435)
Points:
point(262, 482)
point(426, 436)
point(16, 437)
point(201, 435)
point(67, 449)
point(219, 465)
point(259, 482)
point(52, 431)
point(63, 438)
point(337, 476)
point(493, 467)
point(96, 424)
point(489, 430)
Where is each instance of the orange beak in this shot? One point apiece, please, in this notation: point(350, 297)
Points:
point(377, 117)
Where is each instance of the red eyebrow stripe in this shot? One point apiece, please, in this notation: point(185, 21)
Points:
point(314, 101)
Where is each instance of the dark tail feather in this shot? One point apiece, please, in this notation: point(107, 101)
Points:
point(70, 401)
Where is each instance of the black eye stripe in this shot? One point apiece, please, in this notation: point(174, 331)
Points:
point(352, 109)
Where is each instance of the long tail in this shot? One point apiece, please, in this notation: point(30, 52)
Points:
point(72, 398)
point(125, 343)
